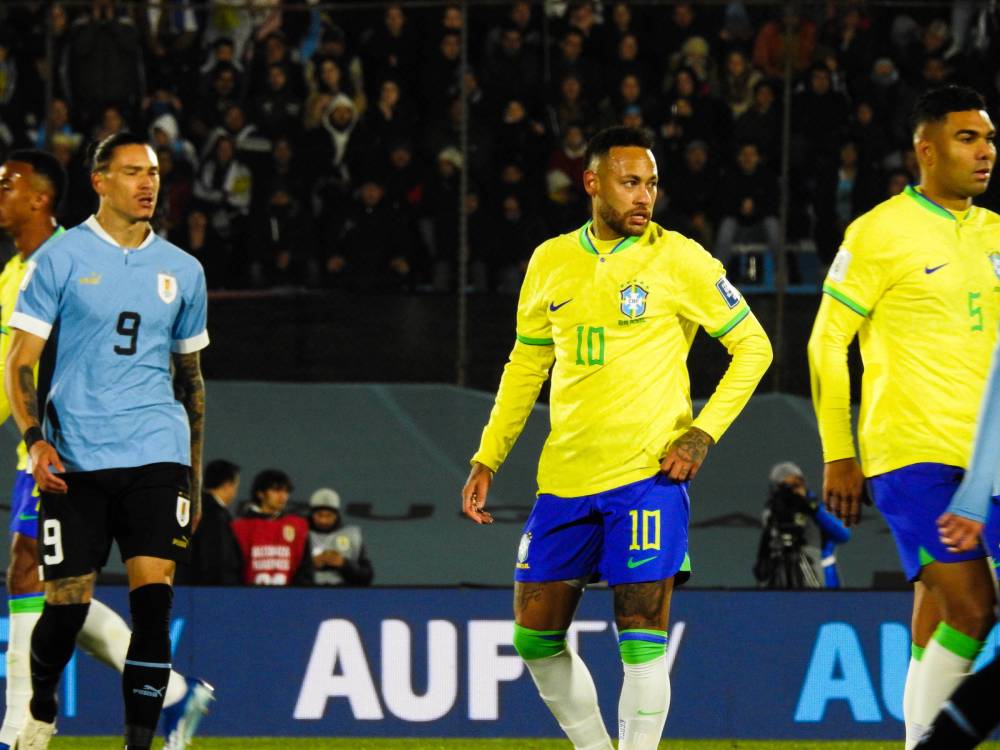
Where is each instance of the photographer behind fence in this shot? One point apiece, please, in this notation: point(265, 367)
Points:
point(792, 519)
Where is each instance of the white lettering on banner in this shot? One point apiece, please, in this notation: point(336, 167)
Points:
point(583, 626)
point(397, 673)
point(337, 641)
point(488, 668)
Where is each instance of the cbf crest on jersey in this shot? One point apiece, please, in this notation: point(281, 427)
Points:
point(166, 287)
point(995, 260)
point(633, 300)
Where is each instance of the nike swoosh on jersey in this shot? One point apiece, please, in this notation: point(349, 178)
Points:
point(553, 306)
point(930, 270)
point(636, 563)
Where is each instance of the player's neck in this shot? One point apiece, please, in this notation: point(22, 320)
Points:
point(944, 198)
point(31, 237)
point(602, 231)
point(124, 231)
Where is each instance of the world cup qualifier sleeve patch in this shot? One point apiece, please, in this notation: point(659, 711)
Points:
point(728, 292)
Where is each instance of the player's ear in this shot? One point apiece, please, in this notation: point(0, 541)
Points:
point(591, 182)
point(97, 181)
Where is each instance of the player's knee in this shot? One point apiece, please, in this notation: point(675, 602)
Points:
point(150, 606)
point(973, 618)
point(641, 646)
point(538, 644)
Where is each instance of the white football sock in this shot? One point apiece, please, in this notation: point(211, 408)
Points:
point(941, 671)
point(643, 705)
point(106, 636)
point(18, 673)
point(913, 732)
point(565, 684)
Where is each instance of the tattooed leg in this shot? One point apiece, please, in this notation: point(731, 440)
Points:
point(545, 606)
point(643, 605)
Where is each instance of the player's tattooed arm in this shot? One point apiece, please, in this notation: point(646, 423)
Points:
point(189, 387)
point(73, 590)
point(686, 454)
point(29, 396)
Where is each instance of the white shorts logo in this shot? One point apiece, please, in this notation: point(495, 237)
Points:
point(183, 510)
point(166, 287)
point(838, 270)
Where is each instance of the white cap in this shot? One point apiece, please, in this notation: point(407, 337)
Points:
point(324, 497)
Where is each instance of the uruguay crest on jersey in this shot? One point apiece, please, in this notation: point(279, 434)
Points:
point(633, 300)
point(166, 287)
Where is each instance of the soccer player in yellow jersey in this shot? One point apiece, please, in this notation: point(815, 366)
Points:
point(611, 309)
point(918, 281)
point(31, 185)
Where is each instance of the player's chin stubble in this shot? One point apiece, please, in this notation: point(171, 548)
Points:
point(616, 221)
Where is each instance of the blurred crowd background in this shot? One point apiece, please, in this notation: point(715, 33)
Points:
point(319, 145)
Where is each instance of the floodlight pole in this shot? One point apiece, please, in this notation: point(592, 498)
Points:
point(462, 349)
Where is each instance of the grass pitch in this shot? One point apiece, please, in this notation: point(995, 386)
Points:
point(318, 743)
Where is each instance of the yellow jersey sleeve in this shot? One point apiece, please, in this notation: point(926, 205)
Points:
point(860, 273)
point(710, 301)
point(525, 372)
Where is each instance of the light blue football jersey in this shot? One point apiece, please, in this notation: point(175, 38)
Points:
point(114, 314)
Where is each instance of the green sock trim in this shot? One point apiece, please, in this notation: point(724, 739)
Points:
point(640, 652)
point(658, 633)
point(957, 642)
point(25, 604)
point(538, 644)
point(917, 652)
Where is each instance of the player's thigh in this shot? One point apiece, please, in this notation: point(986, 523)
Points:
point(561, 541)
point(965, 594)
point(22, 572)
point(643, 605)
point(645, 532)
point(548, 605)
point(911, 499)
point(926, 614)
point(74, 536)
point(151, 515)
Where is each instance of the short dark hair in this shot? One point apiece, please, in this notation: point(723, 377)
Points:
point(220, 472)
point(935, 104)
point(44, 164)
point(104, 151)
point(270, 479)
point(619, 136)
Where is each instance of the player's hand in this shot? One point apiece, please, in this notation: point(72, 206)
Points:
point(686, 455)
point(843, 484)
point(958, 534)
point(43, 458)
point(474, 493)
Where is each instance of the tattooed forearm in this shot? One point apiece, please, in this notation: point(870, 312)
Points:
point(29, 396)
point(643, 605)
point(189, 387)
point(693, 445)
point(75, 590)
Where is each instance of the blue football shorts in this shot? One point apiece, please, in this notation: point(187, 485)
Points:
point(630, 534)
point(911, 499)
point(24, 506)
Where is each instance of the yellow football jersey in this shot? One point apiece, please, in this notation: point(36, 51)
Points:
point(618, 326)
point(922, 287)
point(10, 284)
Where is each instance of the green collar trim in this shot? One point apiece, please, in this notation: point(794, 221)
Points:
point(934, 208)
point(584, 237)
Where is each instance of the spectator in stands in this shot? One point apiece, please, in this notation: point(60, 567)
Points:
point(104, 63)
point(521, 132)
point(769, 51)
point(819, 121)
point(111, 121)
point(761, 124)
point(175, 194)
point(170, 34)
point(274, 544)
point(570, 107)
point(284, 172)
point(671, 37)
point(251, 145)
point(373, 251)
point(737, 82)
point(340, 557)
point(333, 45)
point(279, 108)
point(748, 204)
point(892, 98)
point(334, 158)
point(519, 17)
point(274, 50)
point(439, 81)
point(392, 49)
point(518, 232)
point(844, 191)
point(389, 120)
point(223, 189)
point(627, 60)
point(282, 243)
point(693, 189)
point(199, 238)
point(165, 134)
point(848, 34)
point(569, 60)
point(56, 123)
point(216, 559)
point(222, 94)
point(228, 20)
point(866, 131)
point(511, 69)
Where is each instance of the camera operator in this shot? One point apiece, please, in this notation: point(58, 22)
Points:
point(793, 518)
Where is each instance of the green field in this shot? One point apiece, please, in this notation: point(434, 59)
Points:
point(280, 743)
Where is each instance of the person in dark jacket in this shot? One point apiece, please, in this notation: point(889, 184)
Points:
point(339, 555)
point(215, 555)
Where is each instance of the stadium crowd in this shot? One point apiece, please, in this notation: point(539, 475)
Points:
point(301, 145)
